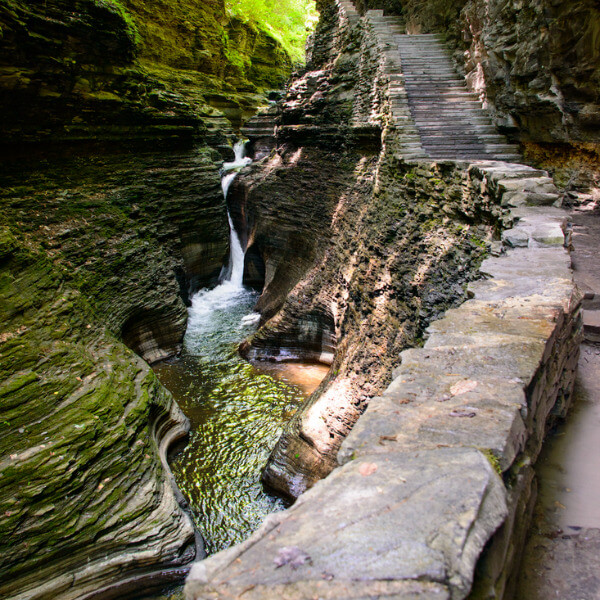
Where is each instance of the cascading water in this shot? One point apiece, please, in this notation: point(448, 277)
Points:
point(235, 272)
point(230, 296)
point(236, 413)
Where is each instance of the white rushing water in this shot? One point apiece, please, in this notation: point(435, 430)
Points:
point(211, 307)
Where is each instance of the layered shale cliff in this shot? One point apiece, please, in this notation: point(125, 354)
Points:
point(119, 72)
point(115, 121)
point(369, 248)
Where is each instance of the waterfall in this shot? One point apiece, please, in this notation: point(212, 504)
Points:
point(235, 269)
point(210, 307)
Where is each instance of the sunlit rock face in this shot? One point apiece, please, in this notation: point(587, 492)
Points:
point(360, 249)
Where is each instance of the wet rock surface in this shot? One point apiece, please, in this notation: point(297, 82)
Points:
point(118, 229)
point(98, 250)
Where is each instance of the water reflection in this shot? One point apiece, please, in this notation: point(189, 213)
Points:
point(569, 465)
point(306, 377)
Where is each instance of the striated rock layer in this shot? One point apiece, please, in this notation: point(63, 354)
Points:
point(87, 504)
point(120, 72)
point(115, 119)
point(136, 235)
point(369, 249)
point(97, 250)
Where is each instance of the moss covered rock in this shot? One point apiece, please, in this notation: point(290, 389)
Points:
point(86, 503)
point(124, 71)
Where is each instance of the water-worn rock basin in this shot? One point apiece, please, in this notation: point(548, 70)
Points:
point(236, 414)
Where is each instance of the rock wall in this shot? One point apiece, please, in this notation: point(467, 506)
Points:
point(136, 234)
point(360, 250)
point(122, 72)
point(433, 495)
point(87, 505)
point(98, 249)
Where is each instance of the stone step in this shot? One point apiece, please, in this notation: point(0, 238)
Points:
point(433, 133)
point(457, 138)
point(430, 70)
point(427, 89)
point(430, 103)
point(421, 59)
point(465, 147)
point(448, 103)
point(426, 118)
point(450, 124)
point(511, 158)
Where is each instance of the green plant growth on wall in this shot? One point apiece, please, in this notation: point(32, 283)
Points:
point(288, 21)
point(116, 7)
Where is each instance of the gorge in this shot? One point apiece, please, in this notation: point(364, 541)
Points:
point(390, 235)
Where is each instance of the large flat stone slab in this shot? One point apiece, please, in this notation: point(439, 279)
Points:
point(364, 527)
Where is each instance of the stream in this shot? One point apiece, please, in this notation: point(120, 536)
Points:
point(237, 411)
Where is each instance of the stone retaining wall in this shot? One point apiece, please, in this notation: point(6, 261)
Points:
point(436, 479)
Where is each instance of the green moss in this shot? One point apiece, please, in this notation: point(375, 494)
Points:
point(493, 460)
point(117, 8)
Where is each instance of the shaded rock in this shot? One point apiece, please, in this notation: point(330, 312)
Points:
point(96, 249)
point(87, 502)
point(135, 246)
point(117, 73)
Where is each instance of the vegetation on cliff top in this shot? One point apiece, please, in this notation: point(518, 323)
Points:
point(288, 21)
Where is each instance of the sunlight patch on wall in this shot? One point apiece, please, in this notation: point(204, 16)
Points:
point(289, 21)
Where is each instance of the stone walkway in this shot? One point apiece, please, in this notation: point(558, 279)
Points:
point(437, 117)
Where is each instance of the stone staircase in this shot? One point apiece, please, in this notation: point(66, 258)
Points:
point(435, 114)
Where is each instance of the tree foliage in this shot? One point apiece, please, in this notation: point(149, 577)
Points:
point(289, 21)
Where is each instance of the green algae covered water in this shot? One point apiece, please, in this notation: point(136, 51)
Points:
point(236, 414)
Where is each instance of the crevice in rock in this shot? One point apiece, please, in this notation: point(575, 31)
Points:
point(254, 268)
point(152, 335)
